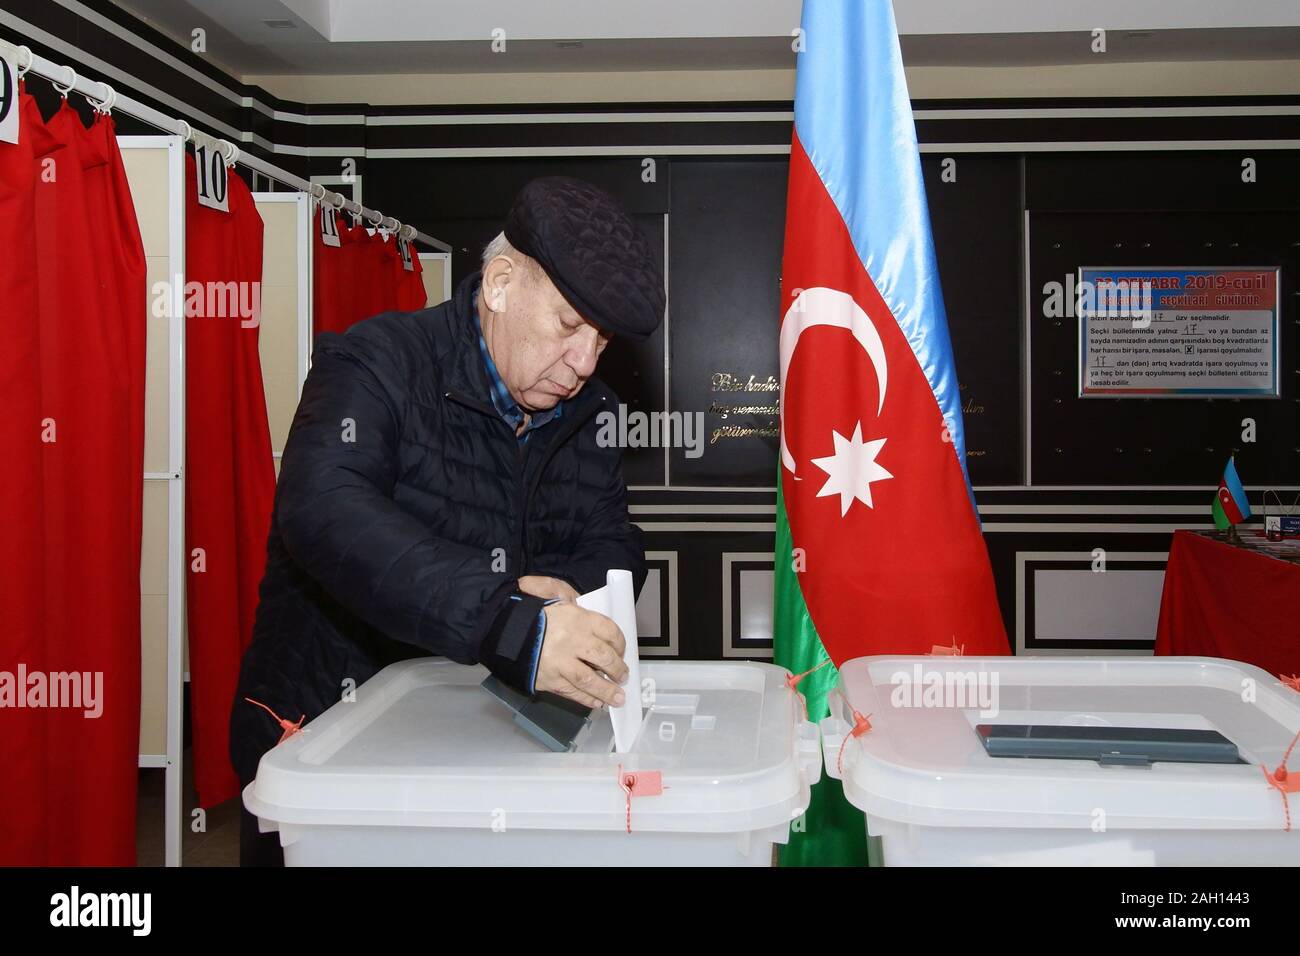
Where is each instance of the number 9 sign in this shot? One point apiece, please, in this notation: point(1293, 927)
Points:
point(8, 102)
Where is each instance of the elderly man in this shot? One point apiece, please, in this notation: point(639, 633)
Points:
point(442, 489)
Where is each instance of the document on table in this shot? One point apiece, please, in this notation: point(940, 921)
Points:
point(617, 601)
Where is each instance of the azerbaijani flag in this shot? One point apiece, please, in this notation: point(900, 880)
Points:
point(1230, 503)
point(878, 545)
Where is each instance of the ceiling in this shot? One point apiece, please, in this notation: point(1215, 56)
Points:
point(277, 37)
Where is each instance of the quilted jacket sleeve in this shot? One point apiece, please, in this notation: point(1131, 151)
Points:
point(337, 515)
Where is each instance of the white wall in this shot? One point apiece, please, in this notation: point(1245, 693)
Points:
point(1183, 78)
point(370, 20)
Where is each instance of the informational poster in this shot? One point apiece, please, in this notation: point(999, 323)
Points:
point(1177, 333)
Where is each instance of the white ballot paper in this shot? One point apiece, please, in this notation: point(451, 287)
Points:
point(617, 601)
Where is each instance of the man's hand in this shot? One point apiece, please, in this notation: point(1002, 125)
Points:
point(547, 588)
point(580, 648)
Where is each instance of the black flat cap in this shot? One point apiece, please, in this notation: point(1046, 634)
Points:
point(593, 252)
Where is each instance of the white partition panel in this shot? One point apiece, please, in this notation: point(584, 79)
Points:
point(436, 273)
point(156, 172)
point(284, 338)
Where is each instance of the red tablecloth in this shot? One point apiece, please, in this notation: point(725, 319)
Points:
point(1221, 600)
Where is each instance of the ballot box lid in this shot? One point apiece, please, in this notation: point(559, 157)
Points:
point(922, 760)
point(724, 747)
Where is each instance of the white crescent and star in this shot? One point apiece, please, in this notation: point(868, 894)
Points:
point(853, 466)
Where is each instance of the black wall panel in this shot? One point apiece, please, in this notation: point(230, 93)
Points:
point(1156, 441)
point(725, 233)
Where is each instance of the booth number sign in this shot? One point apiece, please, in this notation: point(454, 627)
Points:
point(329, 226)
point(212, 179)
point(8, 102)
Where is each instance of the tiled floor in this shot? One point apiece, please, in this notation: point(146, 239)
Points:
point(216, 845)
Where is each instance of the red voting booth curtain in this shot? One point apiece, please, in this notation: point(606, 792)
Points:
point(383, 275)
point(362, 276)
point(73, 283)
point(22, 559)
point(410, 283)
point(230, 475)
point(1225, 601)
point(333, 292)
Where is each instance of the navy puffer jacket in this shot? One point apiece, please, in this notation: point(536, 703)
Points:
point(405, 512)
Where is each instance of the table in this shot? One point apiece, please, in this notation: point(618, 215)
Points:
point(1232, 600)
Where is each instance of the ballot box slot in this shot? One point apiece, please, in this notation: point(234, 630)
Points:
point(1109, 746)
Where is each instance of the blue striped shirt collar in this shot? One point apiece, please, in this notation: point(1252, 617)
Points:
point(502, 400)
